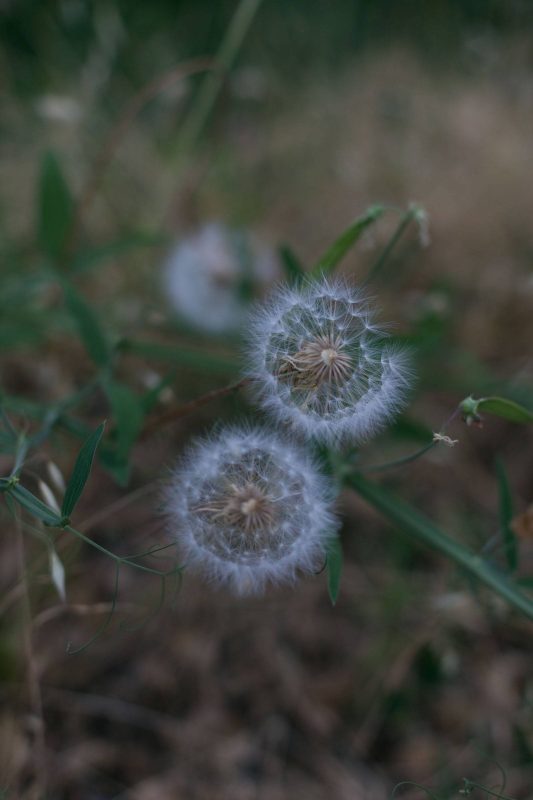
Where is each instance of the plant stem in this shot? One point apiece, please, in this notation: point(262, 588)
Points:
point(410, 215)
point(199, 114)
point(423, 530)
point(34, 688)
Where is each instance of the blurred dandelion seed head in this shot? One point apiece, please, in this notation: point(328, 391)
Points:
point(250, 509)
point(320, 363)
point(211, 276)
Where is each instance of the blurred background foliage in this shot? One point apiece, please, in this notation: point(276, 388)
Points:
point(328, 108)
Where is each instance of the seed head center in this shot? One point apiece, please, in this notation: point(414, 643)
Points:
point(249, 506)
point(244, 507)
point(328, 356)
point(319, 361)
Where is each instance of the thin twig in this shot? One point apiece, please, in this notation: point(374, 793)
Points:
point(82, 609)
point(174, 414)
point(34, 689)
point(116, 506)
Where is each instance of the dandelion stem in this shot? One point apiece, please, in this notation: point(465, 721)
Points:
point(199, 114)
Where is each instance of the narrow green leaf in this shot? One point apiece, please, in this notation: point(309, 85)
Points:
point(33, 505)
point(346, 240)
point(423, 530)
point(508, 409)
point(89, 328)
point(292, 265)
point(128, 416)
point(334, 568)
point(190, 357)
point(506, 515)
point(413, 214)
point(96, 256)
point(81, 471)
point(55, 207)
point(127, 413)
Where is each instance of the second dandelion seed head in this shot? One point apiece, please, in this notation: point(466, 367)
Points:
point(320, 364)
point(250, 509)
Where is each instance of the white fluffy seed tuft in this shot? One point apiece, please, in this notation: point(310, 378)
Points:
point(320, 364)
point(249, 509)
point(211, 276)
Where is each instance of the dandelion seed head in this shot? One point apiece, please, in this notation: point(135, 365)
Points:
point(321, 364)
point(250, 509)
point(211, 276)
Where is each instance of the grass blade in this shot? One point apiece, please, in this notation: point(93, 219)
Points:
point(292, 265)
point(423, 530)
point(506, 515)
point(88, 326)
point(55, 207)
point(332, 257)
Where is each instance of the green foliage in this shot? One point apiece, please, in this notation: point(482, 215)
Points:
point(497, 406)
point(33, 505)
point(341, 246)
point(189, 357)
point(506, 515)
point(420, 529)
point(128, 415)
point(81, 471)
point(292, 266)
point(89, 328)
point(55, 208)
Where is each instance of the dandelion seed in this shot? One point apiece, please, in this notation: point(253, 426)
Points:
point(320, 364)
point(250, 509)
point(211, 277)
point(447, 440)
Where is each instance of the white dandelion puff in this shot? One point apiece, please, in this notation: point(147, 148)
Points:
point(319, 363)
point(211, 276)
point(249, 509)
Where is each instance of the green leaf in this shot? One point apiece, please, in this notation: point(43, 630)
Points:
point(184, 356)
point(292, 265)
point(346, 240)
point(33, 505)
point(127, 413)
point(508, 409)
point(416, 525)
point(88, 326)
point(334, 568)
point(413, 214)
point(95, 256)
point(128, 416)
point(506, 515)
point(81, 471)
point(55, 207)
